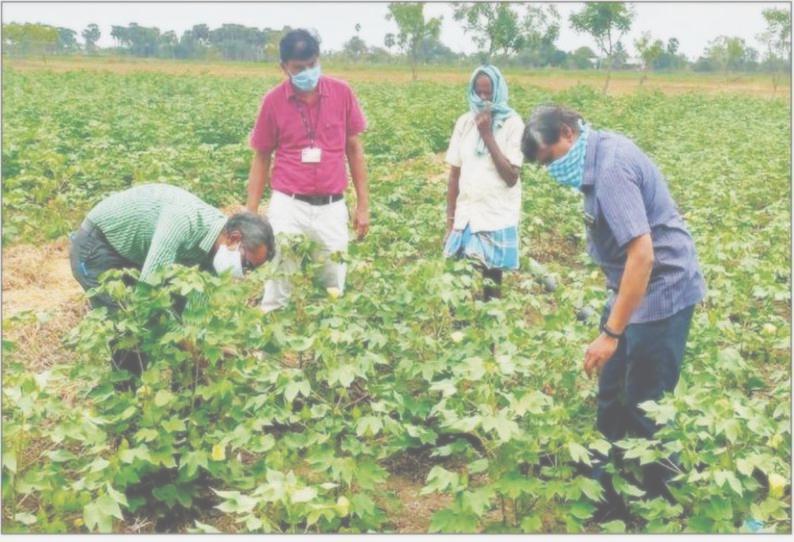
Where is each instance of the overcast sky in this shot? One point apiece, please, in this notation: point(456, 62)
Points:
point(694, 24)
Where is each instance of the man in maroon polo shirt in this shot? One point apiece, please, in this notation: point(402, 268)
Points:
point(312, 122)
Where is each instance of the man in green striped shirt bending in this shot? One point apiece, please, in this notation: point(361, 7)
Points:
point(152, 226)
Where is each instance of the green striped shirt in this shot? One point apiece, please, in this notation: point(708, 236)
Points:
point(155, 225)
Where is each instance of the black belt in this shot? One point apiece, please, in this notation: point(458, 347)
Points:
point(87, 226)
point(316, 199)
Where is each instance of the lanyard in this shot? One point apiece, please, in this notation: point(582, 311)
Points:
point(310, 130)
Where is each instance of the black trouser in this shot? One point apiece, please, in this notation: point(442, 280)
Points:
point(491, 290)
point(645, 366)
point(91, 255)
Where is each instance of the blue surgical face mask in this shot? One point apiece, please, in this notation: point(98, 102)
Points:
point(568, 170)
point(307, 80)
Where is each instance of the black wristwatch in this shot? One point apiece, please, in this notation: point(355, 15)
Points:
point(609, 333)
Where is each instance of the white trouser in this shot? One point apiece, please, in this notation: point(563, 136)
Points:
point(325, 224)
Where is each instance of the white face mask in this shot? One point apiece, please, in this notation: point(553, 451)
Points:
point(228, 260)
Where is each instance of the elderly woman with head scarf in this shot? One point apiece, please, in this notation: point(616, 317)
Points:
point(484, 192)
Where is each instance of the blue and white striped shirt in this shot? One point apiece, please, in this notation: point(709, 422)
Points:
point(626, 196)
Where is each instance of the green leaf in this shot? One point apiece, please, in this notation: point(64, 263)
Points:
point(446, 387)
point(291, 391)
point(235, 502)
point(466, 424)
point(368, 425)
point(513, 485)
point(95, 519)
point(718, 509)
point(174, 425)
point(531, 524)
point(640, 449)
point(10, 460)
point(295, 388)
point(192, 460)
point(723, 476)
point(342, 506)
point(476, 467)
point(305, 494)
point(699, 523)
point(204, 528)
point(591, 488)
point(613, 527)
point(735, 484)
point(504, 427)
point(731, 428)
point(184, 496)
point(302, 344)
point(166, 493)
point(745, 466)
point(439, 479)
point(661, 413)
point(98, 515)
point(131, 454)
point(146, 434)
point(305, 388)
point(368, 474)
point(448, 521)
point(314, 516)
point(478, 501)
point(163, 397)
point(363, 505)
point(582, 510)
point(99, 464)
point(343, 374)
point(253, 523)
point(579, 453)
point(474, 369)
point(533, 402)
point(622, 486)
point(730, 358)
point(128, 413)
point(116, 496)
point(61, 455)
point(233, 495)
point(602, 446)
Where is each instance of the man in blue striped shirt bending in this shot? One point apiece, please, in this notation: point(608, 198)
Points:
point(637, 236)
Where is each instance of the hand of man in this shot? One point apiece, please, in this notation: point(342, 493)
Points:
point(483, 121)
point(598, 353)
point(449, 230)
point(257, 208)
point(262, 209)
point(361, 222)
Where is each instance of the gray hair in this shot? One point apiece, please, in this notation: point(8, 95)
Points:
point(544, 126)
point(255, 231)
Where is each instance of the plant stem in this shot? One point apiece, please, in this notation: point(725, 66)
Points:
point(515, 512)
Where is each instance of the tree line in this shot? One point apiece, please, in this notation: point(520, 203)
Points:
point(509, 33)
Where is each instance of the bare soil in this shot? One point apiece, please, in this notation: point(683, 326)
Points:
point(415, 510)
point(41, 302)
